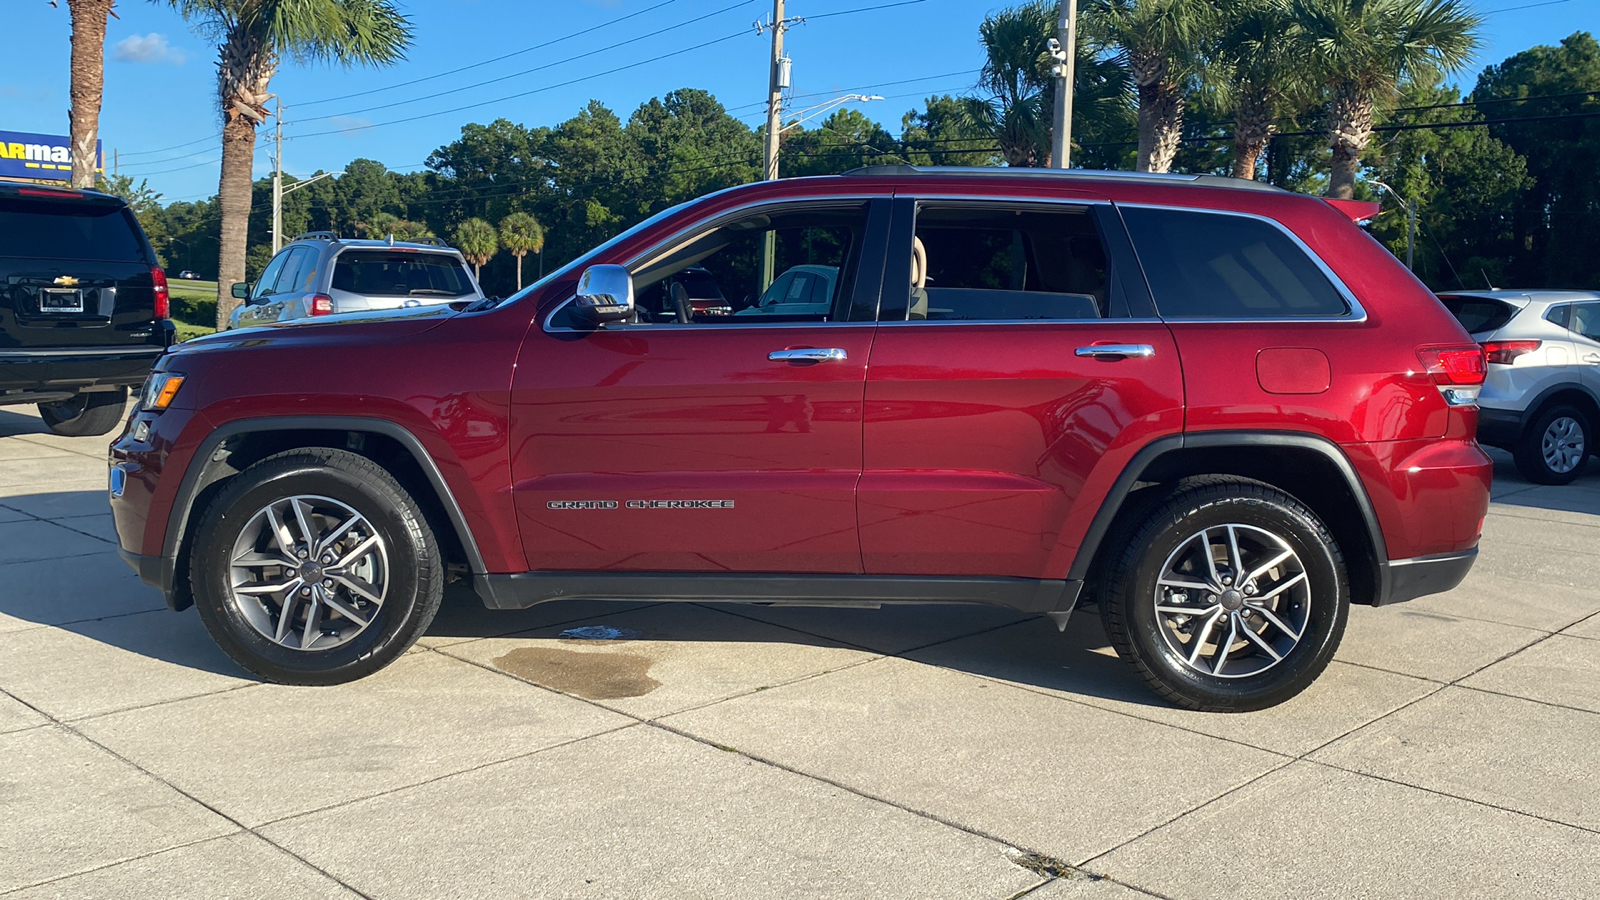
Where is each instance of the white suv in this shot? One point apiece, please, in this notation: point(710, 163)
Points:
point(319, 274)
point(1541, 399)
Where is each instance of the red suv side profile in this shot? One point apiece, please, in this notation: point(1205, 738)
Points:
point(1217, 409)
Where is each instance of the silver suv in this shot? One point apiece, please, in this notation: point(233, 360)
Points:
point(1541, 399)
point(319, 274)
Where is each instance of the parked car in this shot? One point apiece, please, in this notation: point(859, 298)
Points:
point(319, 274)
point(1541, 398)
point(1215, 408)
point(83, 305)
point(801, 291)
point(189, 275)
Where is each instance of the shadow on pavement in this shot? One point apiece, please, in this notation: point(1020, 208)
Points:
point(15, 423)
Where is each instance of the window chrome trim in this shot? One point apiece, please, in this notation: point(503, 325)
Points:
point(1025, 322)
point(1357, 313)
point(676, 239)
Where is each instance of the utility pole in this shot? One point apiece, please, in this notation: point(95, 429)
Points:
point(777, 82)
point(116, 161)
point(277, 181)
point(1064, 49)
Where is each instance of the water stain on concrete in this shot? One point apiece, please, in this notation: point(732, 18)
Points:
point(593, 676)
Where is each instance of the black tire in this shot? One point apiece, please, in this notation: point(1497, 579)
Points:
point(412, 563)
point(86, 414)
point(1529, 452)
point(1150, 640)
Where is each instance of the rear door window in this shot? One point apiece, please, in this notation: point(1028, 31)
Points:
point(400, 273)
point(990, 264)
point(68, 229)
point(1203, 265)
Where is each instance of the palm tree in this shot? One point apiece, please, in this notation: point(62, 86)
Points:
point(1363, 50)
point(521, 234)
point(253, 37)
point(1257, 43)
point(1160, 42)
point(477, 241)
point(1016, 75)
point(88, 83)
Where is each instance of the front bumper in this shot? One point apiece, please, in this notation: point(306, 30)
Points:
point(1408, 579)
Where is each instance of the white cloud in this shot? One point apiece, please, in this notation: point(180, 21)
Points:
point(147, 48)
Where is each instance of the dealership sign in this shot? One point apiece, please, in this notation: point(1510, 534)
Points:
point(44, 156)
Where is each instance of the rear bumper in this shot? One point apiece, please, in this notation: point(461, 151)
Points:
point(45, 371)
point(1499, 427)
point(1408, 579)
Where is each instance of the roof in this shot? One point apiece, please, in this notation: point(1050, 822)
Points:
point(1019, 172)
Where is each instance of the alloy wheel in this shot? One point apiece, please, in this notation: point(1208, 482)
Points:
point(1232, 600)
point(308, 573)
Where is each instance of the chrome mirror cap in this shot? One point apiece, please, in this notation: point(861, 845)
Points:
point(605, 293)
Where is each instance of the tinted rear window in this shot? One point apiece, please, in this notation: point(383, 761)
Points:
point(1479, 314)
point(46, 229)
point(393, 273)
point(1218, 266)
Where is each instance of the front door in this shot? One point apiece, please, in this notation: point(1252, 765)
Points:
point(706, 439)
point(1019, 362)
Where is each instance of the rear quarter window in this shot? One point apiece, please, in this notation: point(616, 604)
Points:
point(1203, 265)
point(1479, 314)
point(68, 229)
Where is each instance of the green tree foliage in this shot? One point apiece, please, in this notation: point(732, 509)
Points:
point(1015, 80)
point(1161, 42)
point(521, 234)
point(945, 133)
point(477, 241)
point(1556, 220)
point(845, 140)
point(1259, 64)
point(1364, 50)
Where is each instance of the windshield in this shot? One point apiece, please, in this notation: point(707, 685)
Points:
point(400, 273)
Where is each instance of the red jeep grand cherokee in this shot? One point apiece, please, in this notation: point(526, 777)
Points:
point(1218, 409)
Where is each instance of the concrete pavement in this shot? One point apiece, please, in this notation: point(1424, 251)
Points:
point(1452, 750)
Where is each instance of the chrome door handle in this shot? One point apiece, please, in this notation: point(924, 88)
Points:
point(1117, 351)
point(808, 354)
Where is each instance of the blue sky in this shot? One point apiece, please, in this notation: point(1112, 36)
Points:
point(160, 75)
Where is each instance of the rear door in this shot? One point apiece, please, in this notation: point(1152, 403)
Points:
point(1584, 323)
point(75, 271)
point(1018, 367)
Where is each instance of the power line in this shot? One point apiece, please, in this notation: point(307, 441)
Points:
point(550, 43)
point(539, 68)
point(1527, 6)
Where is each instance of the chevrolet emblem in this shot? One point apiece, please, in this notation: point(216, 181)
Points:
point(66, 281)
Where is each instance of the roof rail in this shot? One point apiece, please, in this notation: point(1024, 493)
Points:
point(1083, 174)
point(430, 239)
point(317, 236)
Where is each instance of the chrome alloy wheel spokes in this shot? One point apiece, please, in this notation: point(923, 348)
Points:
point(309, 573)
point(1232, 600)
point(1562, 445)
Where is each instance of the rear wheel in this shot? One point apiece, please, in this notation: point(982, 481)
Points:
point(1231, 596)
point(315, 567)
point(1555, 446)
point(86, 414)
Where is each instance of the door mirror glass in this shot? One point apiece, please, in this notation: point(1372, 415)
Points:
point(605, 294)
point(241, 291)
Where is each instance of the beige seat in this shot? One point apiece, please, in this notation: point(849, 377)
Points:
point(919, 281)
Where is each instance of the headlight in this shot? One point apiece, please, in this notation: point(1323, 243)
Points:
point(159, 389)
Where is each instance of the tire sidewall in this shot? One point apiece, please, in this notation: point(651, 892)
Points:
point(1329, 604)
point(384, 639)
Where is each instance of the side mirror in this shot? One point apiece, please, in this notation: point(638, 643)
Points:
point(605, 294)
point(241, 291)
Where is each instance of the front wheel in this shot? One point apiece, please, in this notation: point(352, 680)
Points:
point(1231, 596)
point(85, 414)
point(315, 566)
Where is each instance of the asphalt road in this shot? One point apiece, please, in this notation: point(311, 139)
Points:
point(1451, 751)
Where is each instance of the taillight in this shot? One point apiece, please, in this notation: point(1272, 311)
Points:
point(1506, 352)
point(1457, 370)
point(158, 280)
point(321, 305)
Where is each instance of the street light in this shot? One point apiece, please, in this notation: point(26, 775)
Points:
point(811, 112)
point(278, 193)
point(1411, 217)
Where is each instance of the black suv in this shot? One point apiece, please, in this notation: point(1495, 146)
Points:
point(83, 305)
